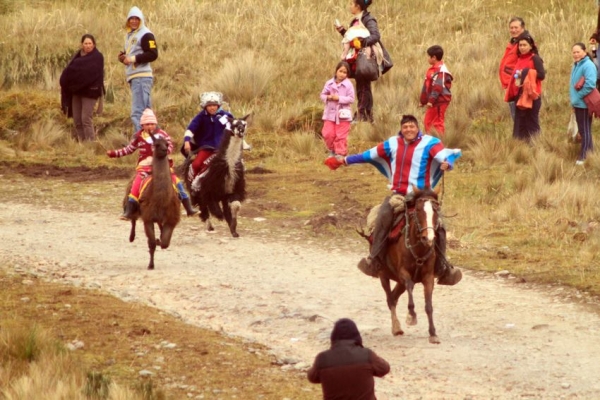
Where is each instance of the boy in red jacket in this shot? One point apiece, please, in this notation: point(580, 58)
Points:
point(435, 94)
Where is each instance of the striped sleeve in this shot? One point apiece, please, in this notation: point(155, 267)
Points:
point(378, 156)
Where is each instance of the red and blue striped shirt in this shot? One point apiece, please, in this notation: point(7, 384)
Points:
point(405, 164)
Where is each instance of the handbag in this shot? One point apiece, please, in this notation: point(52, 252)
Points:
point(572, 130)
point(366, 67)
point(345, 113)
point(592, 101)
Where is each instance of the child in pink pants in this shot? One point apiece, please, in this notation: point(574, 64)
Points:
point(338, 96)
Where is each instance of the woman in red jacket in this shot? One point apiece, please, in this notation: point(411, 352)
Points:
point(528, 74)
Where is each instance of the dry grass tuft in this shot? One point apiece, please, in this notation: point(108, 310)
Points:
point(245, 77)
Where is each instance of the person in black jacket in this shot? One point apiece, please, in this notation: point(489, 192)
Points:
point(346, 370)
point(82, 83)
point(358, 8)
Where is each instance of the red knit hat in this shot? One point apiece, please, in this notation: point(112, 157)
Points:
point(148, 117)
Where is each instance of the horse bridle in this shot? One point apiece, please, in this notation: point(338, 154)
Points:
point(413, 214)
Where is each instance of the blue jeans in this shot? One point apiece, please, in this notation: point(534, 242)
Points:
point(140, 99)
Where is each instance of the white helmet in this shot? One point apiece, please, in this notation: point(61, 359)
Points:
point(208, 98)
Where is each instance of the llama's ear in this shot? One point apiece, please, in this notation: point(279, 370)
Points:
point(248, 118)
point(415, 189)
point(437, 190)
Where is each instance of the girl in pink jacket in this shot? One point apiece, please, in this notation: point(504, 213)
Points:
point(338, 96)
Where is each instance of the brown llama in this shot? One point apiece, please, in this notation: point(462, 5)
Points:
point(222, 188)
point(159, 203)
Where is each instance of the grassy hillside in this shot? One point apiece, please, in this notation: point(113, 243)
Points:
point(272, 58)
point(508, 205)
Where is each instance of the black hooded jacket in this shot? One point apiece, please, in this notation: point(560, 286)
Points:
point(346, 370)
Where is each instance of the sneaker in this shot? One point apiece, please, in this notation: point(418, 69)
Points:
point(246, 146)
point(579, 162)
point(368, 267)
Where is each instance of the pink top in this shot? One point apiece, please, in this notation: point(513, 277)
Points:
point(344, 90)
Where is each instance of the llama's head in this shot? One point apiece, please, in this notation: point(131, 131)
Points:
point(160, 146)
point(237, 126)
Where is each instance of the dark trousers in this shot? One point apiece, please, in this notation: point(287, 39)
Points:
point(584, 125)
point(527, 121)
point(365, 100)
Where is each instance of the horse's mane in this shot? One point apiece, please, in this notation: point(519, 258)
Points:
point(419, 194)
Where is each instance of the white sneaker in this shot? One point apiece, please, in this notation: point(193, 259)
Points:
point(246, 146)
point(579, 162)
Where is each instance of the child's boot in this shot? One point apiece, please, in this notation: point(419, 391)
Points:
point(131, 208)
point(187, 204)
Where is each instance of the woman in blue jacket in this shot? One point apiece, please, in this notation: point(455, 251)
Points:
point(583, 81)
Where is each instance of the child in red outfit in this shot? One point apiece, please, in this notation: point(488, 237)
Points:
point(143, 142)
point(435, 94)
point(338, 96)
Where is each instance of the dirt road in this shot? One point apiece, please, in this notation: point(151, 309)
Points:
point(500, 340)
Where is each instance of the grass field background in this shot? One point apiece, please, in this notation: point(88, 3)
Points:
point(527, 209)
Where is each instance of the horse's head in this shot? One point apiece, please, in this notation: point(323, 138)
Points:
point(426, 207)
point(160, 146)
point(237, 126)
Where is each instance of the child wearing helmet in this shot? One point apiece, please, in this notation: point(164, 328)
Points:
point(205, 131)
point(143, 142)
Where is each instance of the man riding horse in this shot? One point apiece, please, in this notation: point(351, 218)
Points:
point(407, 160)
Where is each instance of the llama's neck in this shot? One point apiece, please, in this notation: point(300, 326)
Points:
point(233, 153)
point(161, 177)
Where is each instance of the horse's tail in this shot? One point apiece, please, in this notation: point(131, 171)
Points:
point(361, 231)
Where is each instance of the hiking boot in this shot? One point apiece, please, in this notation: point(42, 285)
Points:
point(130, 208)
point(450, 277)
point(187, 204)
point(368, 266)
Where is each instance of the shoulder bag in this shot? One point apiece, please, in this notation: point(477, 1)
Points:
point(366, 67)
point(592, 101)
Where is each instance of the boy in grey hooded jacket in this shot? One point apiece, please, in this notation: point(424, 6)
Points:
point(139, 51)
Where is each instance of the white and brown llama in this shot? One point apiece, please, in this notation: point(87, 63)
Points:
point(220, 191)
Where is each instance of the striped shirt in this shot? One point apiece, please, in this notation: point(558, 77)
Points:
point(405, 164)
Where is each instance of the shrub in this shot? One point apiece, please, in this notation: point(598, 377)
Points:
point(245, 77)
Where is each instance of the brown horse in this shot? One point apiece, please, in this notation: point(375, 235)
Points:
point(158, 201)
point(412, 259)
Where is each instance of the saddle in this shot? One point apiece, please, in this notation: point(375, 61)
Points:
point(146, 181)
point(396, 231)
point(398, 204)
point(195, 180)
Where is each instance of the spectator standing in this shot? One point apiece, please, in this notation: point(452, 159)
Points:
point(139, 51)
point(593, 53)
point(436, 95)
point(525, 89)
point(338, 96)
point(346, 370)
point(82, 84)
point(358, 8)
point(516, 27)
point(583, 81)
